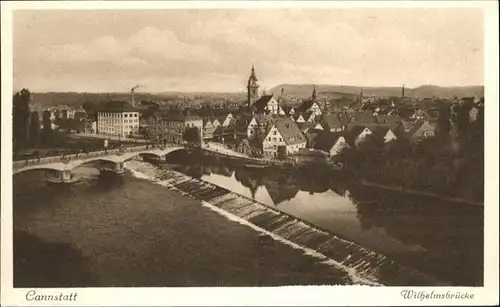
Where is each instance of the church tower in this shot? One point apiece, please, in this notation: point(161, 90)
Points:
point(253, 88)
point(313, 96)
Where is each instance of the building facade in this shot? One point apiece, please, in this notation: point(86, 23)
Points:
point(208, 129)
point(283, 139)
point(169, 127)
point(117, 118)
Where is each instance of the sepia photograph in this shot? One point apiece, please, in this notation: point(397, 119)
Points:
point(263, 147)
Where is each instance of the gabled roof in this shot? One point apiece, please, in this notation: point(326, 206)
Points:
point(332, 121)
point(311, 134)
point(232, 123)
point(325, 140)
point(307, 125)
point(355, 131)
point(287, 108)
point(206, 121)
point(306, 104)
point(297, 115)
point(381, 131)
point(261, 104)
point(289, 131)
point(417, 127)
point(242, 122)
point(307, 115)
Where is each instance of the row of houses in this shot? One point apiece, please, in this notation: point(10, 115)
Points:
point(333, 142)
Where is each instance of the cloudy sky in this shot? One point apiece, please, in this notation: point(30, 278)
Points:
point(213, 50)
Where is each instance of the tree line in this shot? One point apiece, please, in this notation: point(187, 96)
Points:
point(451, 163)
point(27, 129)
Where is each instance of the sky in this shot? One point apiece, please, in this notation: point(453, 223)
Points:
point(213, 50)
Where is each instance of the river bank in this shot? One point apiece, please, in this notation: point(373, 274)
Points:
point(420, 194)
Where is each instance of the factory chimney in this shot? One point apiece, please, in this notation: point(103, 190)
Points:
point(132, 91)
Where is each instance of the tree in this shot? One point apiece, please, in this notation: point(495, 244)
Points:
point(90, 107)
point(47, 133)
point(463, 121)
point(444, 125)
point(20, 118)
point(192, 135)
point(34, 131)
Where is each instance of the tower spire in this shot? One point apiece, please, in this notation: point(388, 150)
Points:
point(403, 91)
point(252, 88)
point(314, 93)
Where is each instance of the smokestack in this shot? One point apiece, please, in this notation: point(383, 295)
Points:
point(403, 91)
point(132, 91)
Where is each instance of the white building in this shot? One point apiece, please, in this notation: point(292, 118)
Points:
point(117, 118)
point(284, 138)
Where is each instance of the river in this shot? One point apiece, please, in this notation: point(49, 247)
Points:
point(131, 231)
point(444, 240)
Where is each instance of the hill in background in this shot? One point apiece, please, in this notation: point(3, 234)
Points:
point(424, 91)
point(72, 99)
point(77, 99)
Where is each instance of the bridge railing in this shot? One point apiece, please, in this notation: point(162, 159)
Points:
point(67, 158)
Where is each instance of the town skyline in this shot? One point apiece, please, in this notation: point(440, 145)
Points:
point(173, 50)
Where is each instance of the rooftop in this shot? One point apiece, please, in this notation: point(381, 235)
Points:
point(289, 131)
point(117, 106)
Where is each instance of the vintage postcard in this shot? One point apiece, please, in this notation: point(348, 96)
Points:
point(249, 153)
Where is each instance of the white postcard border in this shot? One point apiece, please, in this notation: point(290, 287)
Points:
point(304, 295)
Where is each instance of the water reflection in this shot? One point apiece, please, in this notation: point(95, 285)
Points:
point(445, 240)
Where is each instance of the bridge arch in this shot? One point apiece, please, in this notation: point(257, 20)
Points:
point(158, 153)
point(47, 167)
point(77, 163)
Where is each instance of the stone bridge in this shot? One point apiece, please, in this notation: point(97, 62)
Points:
point(61, 166)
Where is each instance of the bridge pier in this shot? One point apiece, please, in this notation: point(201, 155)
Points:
point(65, 176)
point(119, 168)
point(115, 167)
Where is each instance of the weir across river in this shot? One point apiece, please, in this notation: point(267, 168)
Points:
point(365, 266)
